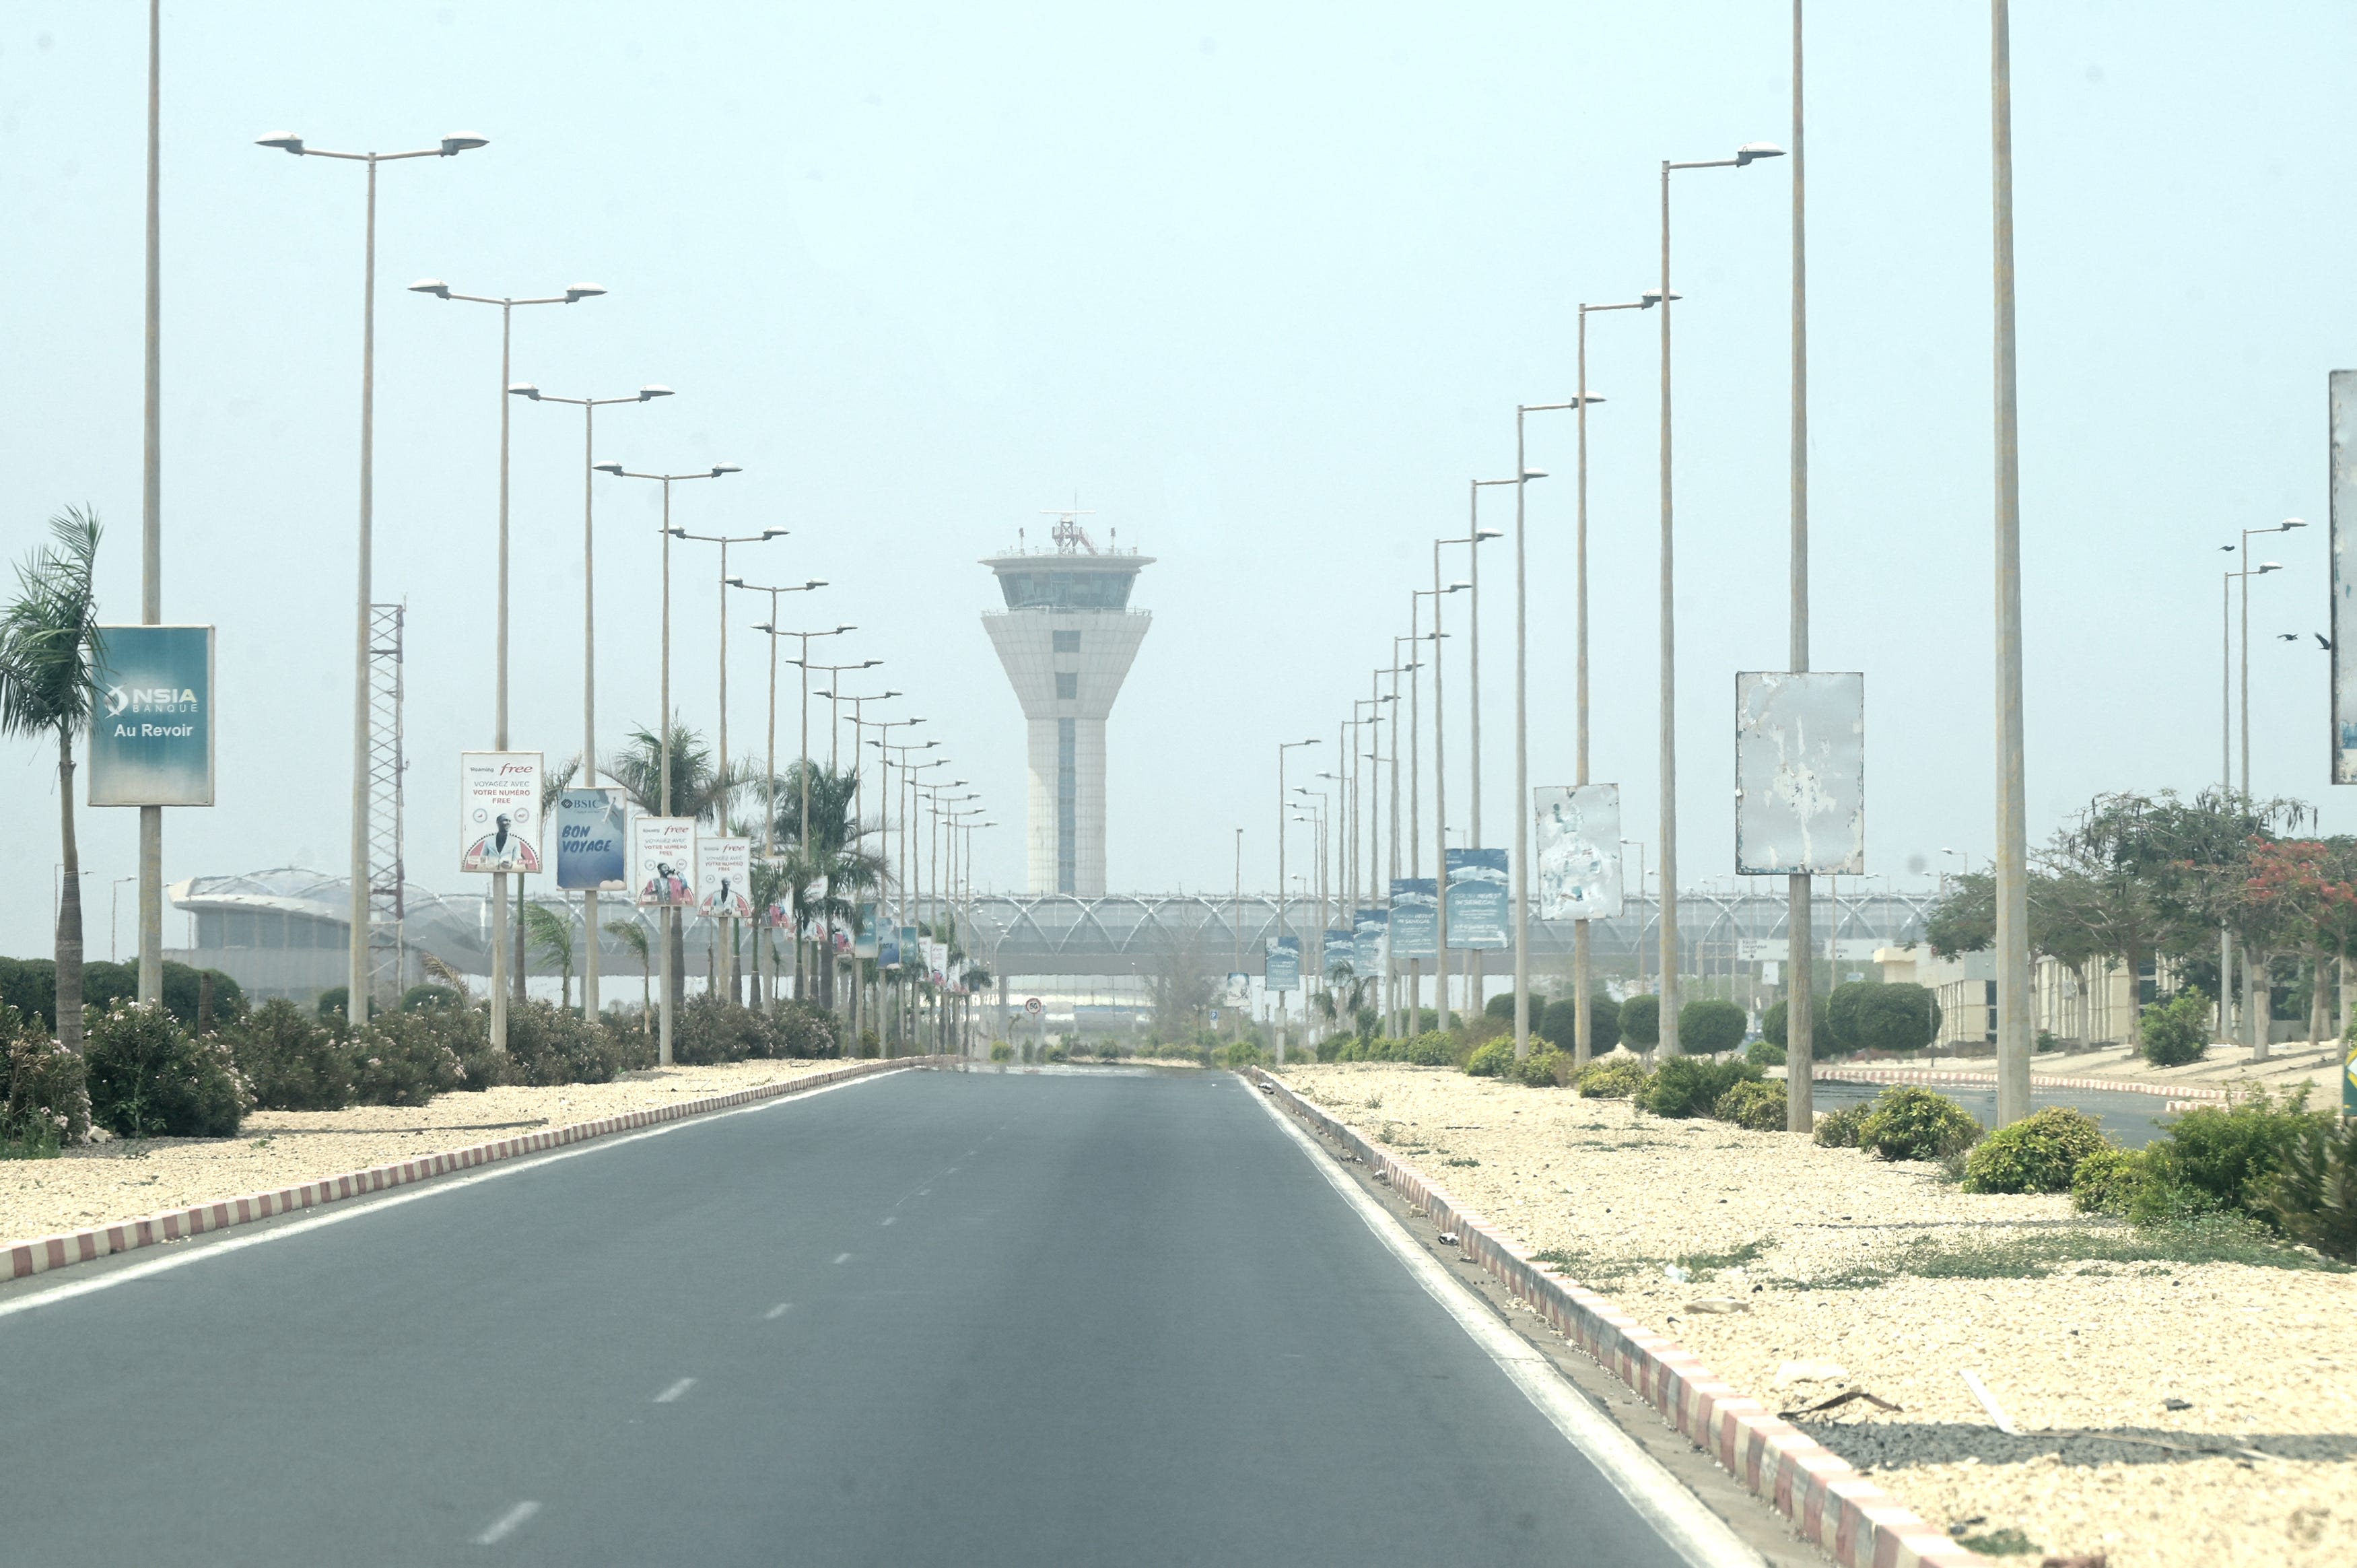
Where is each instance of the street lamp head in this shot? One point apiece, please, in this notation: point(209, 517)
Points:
point(821, 582)
point(1752, 152)
point(872, 663)
point(1649, 298)
point(649, 394)
point(2291, 523)
point(575, 293)
point(609, 466)
point(523, 389)
point(458, 142)
point(434, 286)
point(676, 533)
point(720, 469)
point(773, 533)
point(765, 626)
point(734, 582)
point(838, 631)
point(2267, 566)
point(1457, 587)
point(1481, 533)
point(284, 141)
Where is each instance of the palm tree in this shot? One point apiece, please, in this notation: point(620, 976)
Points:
point(633, 936)
point(834, 854)
point(552, 783)
point(50, 648)
point(551, 932)
point(698, 790)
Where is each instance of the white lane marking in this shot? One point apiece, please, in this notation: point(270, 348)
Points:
point(776, 1311)
point(432, 1188)
point(1673, 1513)
point(507, 1524)
point(672, 1392)
point(889, 1218)
point(843, 1257)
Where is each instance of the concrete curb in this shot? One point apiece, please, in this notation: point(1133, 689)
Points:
point(2182, 1096)
point(46, 1253)
point(1829, 1503)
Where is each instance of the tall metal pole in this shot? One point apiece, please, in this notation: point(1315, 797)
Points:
point(2013, 998)
point(1800, 1095)
point(1439, 806)
point(589, 1007)
point(1582, 944)
point(356, 993)
point(1668, 929)
point(2225, 778)
point(151, 508)
point(1415, 793)
point(664, 729)
point(1520, 876)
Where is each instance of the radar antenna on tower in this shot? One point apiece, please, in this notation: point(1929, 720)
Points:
point(1070, 537)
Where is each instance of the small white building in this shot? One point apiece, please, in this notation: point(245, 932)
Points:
point(1965, 988)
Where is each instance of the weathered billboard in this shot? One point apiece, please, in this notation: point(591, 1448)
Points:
point(1578, 852)
point(1800, 773)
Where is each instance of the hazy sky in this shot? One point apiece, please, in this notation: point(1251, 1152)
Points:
point(1259, 284)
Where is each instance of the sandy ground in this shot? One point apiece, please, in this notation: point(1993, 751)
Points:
point(1776, 1233)
point(126, 1178)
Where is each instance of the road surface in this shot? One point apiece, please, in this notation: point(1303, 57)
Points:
point(926, 1319)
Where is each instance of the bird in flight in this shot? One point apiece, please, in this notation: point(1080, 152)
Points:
point(2322, 641)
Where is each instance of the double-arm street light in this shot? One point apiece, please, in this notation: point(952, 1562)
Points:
point(663, 720)
point(356, 1004)
point(2254, 1015)
point(1745, 155)
point(720, 773)
point(589, 407)
point(1519, 876)
point(573, 295)
point(770, 769)
point(1440, 774)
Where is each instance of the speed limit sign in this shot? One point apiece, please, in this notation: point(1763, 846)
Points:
point(1031, 1006)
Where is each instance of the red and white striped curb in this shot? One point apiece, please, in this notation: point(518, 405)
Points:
point(45, 1254)
point(2183, 1097)
point(1855, 1521)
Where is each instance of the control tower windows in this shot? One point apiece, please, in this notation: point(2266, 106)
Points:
point(1066, 641)
point(1067, 685)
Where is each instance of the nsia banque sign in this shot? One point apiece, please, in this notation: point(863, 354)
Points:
point(151, 720)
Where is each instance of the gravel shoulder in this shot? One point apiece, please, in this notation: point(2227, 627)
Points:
point(131, 1177)
point(1885, 1278)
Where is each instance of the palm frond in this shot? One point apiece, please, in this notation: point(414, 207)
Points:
point(51, 647)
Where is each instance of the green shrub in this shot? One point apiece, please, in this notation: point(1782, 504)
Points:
point(48, 1093)
point(1616, 1076)
point(1241, 1053)
point(1839, 1129)
point(2312, 1198)
point(1641, 1021)
point(1755, 1104)
point(1710, 1028)
point(1544, 1069)
point(2224, 1157)
point(1502, 1007)
point(404, 1058)
point(2040, 1153)
point(1911, 1124)
point(711, 1029)
point(1690, 1086)
point(2175, 1032)
point(1495, 1059)
point(1763, 1053)
point(1895, 1016)
point(2108, 1180)
point(1559, 1025)
point(429, 995)
point(800, 1030)
point(295, 1063)
point(1776, 1023)
point(1433, 1048)
point(1000, 1051)
point(549, 1045)
point(332, 1002)
point(149, 1078)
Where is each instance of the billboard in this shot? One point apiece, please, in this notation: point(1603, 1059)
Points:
point(1415, 918)
point(2343, 398)
point(1479, 913)
point(1800, 774)
point(1341, 953)
point(864, 944)
point(1238, 993)
point(723, 877)
point(1366, 931)
point(663, 858)
point(151, 722)
point(1578, 851)
point(1284, 964)
point(888, 947)
point(499, 811)
point(592, 840)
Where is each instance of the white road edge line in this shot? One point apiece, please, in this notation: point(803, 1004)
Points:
point(843, 1257)
point(776, 1311)
point(435, 1187)
point(1675, 1514)
point(507, 1524)
point(672, 1393)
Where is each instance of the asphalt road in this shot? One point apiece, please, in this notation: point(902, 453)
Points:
point(928, 1318)
point(2132, 1120)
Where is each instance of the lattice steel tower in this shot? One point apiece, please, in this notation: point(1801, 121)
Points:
point(1067, 638)
point(388, 949)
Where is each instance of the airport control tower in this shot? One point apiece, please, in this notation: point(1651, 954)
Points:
point(1067, 638)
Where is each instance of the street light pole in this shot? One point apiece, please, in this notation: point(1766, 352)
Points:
point(1799, 946)
point(770, 769)
point(573, 295)
point(2012, 893)
point(1282, 747)
point(356, 1004)
point(1440, 785)
point(1668, 934)
point(1519, 874)
point(151, 507)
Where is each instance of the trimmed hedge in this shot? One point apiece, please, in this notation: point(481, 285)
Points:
point(1690, 1086)
point(150, 1078)
point(1911, 1124)
point(2040, 1153)
point(1616, 1076)
point(1754, 1104)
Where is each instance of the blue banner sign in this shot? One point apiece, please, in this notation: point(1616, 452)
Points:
point(1341, 953)
point(1415, 918)
point(592, 833)
point(865, 945)
point(151, 725)
point(1477, 912)
point(1368, 929)
point(1284, 972)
